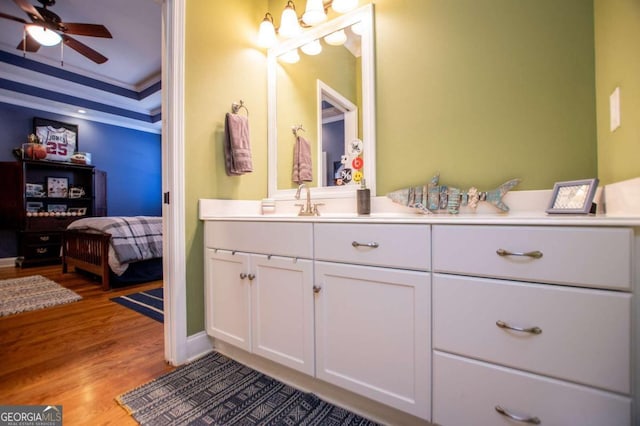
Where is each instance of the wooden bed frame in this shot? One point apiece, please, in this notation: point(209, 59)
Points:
point(87, 250)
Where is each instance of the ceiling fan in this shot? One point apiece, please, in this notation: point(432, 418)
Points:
point(48, 22)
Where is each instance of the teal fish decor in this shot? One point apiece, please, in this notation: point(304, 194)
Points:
point(433, 197)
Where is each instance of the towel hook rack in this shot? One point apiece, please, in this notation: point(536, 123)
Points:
point(296, 129)
point(237, 106)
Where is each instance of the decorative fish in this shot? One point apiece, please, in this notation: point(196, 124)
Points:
point(433, 197)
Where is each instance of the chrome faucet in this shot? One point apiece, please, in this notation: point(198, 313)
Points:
point(306, 209)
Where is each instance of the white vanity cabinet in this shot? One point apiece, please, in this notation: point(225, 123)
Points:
point(372, 312)
point(532, 323)
point(259, 289)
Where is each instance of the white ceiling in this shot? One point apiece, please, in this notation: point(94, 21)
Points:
point(134, 61)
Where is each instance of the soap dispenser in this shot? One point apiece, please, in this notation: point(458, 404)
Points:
point(363, 198)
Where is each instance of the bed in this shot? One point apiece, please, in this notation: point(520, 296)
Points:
point(118, 249)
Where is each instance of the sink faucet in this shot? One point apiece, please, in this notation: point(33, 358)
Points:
point(306, 209)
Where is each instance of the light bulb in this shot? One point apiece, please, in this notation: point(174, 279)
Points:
point(343, 6)
point(289, 25)
point(357, 28)
point(337, 38)
point(314, 13)
point(266, 32)
point(44, 36)
point(291, 57)
point(312, 48)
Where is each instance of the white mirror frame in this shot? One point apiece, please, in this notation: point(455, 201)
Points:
point(363, 14)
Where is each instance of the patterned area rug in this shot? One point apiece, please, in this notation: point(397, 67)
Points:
point(216, 390)
point(31, 293)
point(149, 303)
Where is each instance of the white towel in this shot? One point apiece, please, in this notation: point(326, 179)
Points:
point(302, 161)
point(237, 147)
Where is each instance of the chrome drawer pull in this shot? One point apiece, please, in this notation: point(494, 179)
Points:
point(532, 330)
point(372, 245)
point(534, 254)
point(530, 420)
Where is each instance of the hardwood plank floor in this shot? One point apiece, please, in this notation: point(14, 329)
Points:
point(80, 355)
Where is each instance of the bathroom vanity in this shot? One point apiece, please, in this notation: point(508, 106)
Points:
point(455, 320)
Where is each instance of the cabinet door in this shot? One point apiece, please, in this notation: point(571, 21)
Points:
point(282, 311)
point(227, 293)
point(373, 333)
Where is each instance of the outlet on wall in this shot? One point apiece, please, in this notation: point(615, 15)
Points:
point(614, 109)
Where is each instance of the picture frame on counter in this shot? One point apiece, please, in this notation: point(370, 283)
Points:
point(573, 197)
point(79, 211)
point(34, 190)
point(56, 208)
point(57, 187)
point(34, 206)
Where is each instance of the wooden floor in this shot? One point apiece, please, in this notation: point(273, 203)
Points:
point(80, 355)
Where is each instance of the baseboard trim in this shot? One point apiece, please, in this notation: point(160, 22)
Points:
point(198, 344)
point(7, 262)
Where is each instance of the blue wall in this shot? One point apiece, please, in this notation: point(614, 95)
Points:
point(131, 158)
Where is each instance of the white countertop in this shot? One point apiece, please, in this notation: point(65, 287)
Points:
point(526, 208)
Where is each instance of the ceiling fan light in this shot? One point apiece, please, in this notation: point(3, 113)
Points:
point(289, 25)
point(312, 48)
point(314, 12)
point(344, 6)
point(267, 32)
point(337, 38)
point(42, 35)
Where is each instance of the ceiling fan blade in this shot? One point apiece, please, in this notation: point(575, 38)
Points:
point(93, 30)
point(13, 18)
point(83, 49)
point(29, 44)
point(29, 9)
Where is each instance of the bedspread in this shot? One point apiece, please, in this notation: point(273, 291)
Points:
point(133, 238)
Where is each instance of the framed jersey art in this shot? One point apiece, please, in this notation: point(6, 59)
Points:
point(60, 139)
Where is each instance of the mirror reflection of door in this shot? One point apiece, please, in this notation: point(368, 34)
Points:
point(339, 126)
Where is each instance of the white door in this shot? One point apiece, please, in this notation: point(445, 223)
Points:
point(282, 306)
point(373, 333)
point(227, 290)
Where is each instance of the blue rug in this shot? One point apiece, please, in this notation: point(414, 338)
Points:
point(148, 302)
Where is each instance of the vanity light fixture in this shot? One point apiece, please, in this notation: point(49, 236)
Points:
point(336, 38)
point(43, 35)
point(357, 28)
point(291, 25)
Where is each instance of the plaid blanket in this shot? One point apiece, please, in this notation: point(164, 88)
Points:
point(132, 238)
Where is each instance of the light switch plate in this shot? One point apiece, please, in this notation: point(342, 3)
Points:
point(614, 109)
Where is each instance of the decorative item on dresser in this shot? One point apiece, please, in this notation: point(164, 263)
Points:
point(124, 250)
point(38, 215)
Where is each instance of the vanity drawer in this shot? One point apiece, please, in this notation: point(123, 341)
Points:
point(275, 238)
point(585, 334)
point(389, 245)
point(466, 392)
point(578, 256)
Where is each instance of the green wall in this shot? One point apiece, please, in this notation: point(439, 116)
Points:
point(479, 90)
point(617, 36)
point(222, 66)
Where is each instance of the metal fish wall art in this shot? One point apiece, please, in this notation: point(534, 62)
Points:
point(434, 197)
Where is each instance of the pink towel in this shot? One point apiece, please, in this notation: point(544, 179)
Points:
point(302, 161)
point(237, 148)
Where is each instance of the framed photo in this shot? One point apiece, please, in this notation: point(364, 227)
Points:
point(60, 139)
point(57, 187)
point(34, 206)
point(79, 211)
point(34, 190)
point(575, 197)
point(57, 208)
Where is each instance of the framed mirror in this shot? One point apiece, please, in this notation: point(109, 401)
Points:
point(327, 100)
